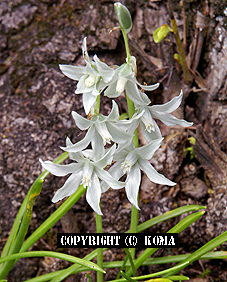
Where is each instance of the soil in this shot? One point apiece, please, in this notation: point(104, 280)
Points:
point(36, 101)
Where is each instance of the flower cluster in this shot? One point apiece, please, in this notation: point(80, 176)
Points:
point(123, 157)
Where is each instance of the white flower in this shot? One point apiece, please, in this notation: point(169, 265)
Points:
point(86, 172)
point(124, 79)
point(131, 160)
point(93, 78)
point(163, 112)
point(101, 130)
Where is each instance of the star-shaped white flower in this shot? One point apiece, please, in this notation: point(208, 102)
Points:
point(125, 79)
point(163, 112)
point(93, 77)
point(131, 160)
point(86, 172)
point(101, 130)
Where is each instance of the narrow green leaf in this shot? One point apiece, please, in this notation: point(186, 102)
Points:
point(18, 241)
point(179, 278)
point(131, 261)
point(62, 256)
point(127, 277)
point(52, 219)
point(17, 222)
point(168, 215)
point(176, 267)
point(205, 249)
point(159, 280)
point(183, 224)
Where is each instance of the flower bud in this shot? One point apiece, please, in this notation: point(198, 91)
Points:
point(123, 16)
point(161, 33)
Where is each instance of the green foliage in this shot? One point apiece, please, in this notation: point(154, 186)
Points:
point(189, 150)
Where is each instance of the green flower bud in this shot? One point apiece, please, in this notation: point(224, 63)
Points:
point(123, 16)
point(161, 32)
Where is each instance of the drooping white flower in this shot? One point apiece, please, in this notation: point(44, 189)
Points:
point(131, 160)
point(125, 79)
point(86, 172)
point(101, 130)
point(163, 112)
point(92, 78)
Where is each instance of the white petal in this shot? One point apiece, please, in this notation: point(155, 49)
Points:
point(84, 51)
point(93, 194)
point(117, 133)
point(116, 172)
point(88, 101)
point(122, 152)
point(133, 92)
point(88, 153)
point(81, 122)
point(170, 106)
point(73, 72)
point(105, 176)
point(147, 120)
point(106, 72)
point(133, 184)
point(106, 159)
point(103, 132)
point(111, 92)
point(70, 186)
point(144, 98)
point(96, 88)
point(87, 173)
point(153, 175)
point(60, 170)
point(81, 85)
point(148, 87)
point(114, 114)
point(153, 134)
point(97, 146)
point(72, 156)
point(171, 120)
point(147, 151)
point(82, 144)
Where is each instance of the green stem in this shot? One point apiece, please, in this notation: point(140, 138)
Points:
point(126, 45)
point(187, 75)
point(131, 261)
point(99, 250)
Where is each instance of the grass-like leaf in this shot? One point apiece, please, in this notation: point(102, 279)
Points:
point(62, 256)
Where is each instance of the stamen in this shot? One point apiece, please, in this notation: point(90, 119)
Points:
point(90, 80)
